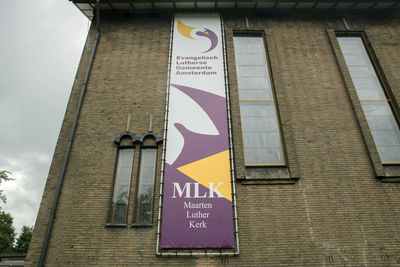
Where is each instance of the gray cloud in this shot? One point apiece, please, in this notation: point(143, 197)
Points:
point(40, 50)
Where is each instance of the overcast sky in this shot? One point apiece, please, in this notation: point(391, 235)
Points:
point(41, 44)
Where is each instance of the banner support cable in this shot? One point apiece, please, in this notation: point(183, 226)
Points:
point(235, 218)
point(165, 140)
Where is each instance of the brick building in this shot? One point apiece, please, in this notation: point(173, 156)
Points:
point(308, 137)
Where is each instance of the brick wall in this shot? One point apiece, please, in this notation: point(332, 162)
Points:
point(336, 214)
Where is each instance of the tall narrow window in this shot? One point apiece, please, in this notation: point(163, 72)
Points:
point(122, 184)
point(145, 191)
point(260, 126)
point(376, 104)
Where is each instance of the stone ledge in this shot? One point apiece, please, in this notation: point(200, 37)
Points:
point(267, 181)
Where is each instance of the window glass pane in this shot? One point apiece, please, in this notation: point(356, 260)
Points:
point(259, 108)
point(370, 95)
point(379, 123)
point(124, 176)
point(147, 176)
point(144, 213)
point(388, 138)
point(361, 71)
point(255, 95)
point(146, 185)
point(368, 88)
point(252, 71)
point(381, 120)
point(379, 116)
point(146, 193)
point(261, 139)
point(259, 124)
point(389, 154)
point(125, 157)
point(253, 83)
point(248, 45)
point(351, 45)
point(148, 157)
point(377, 108)
point(260, 129)
point(349, 49)
point(367, 83)
point(122, 194)
point(119, 213)
point(255, 156)
point(122, 185)
point(250, 59)
point(357, 59)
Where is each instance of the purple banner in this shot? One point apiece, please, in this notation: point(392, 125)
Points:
point(197, 202)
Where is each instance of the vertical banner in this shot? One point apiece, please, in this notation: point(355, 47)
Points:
point(197, 203)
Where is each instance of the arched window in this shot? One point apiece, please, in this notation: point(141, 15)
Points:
point(128, 174)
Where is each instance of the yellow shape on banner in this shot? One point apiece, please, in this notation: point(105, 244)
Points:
point(213, 169)
point(185, 29)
